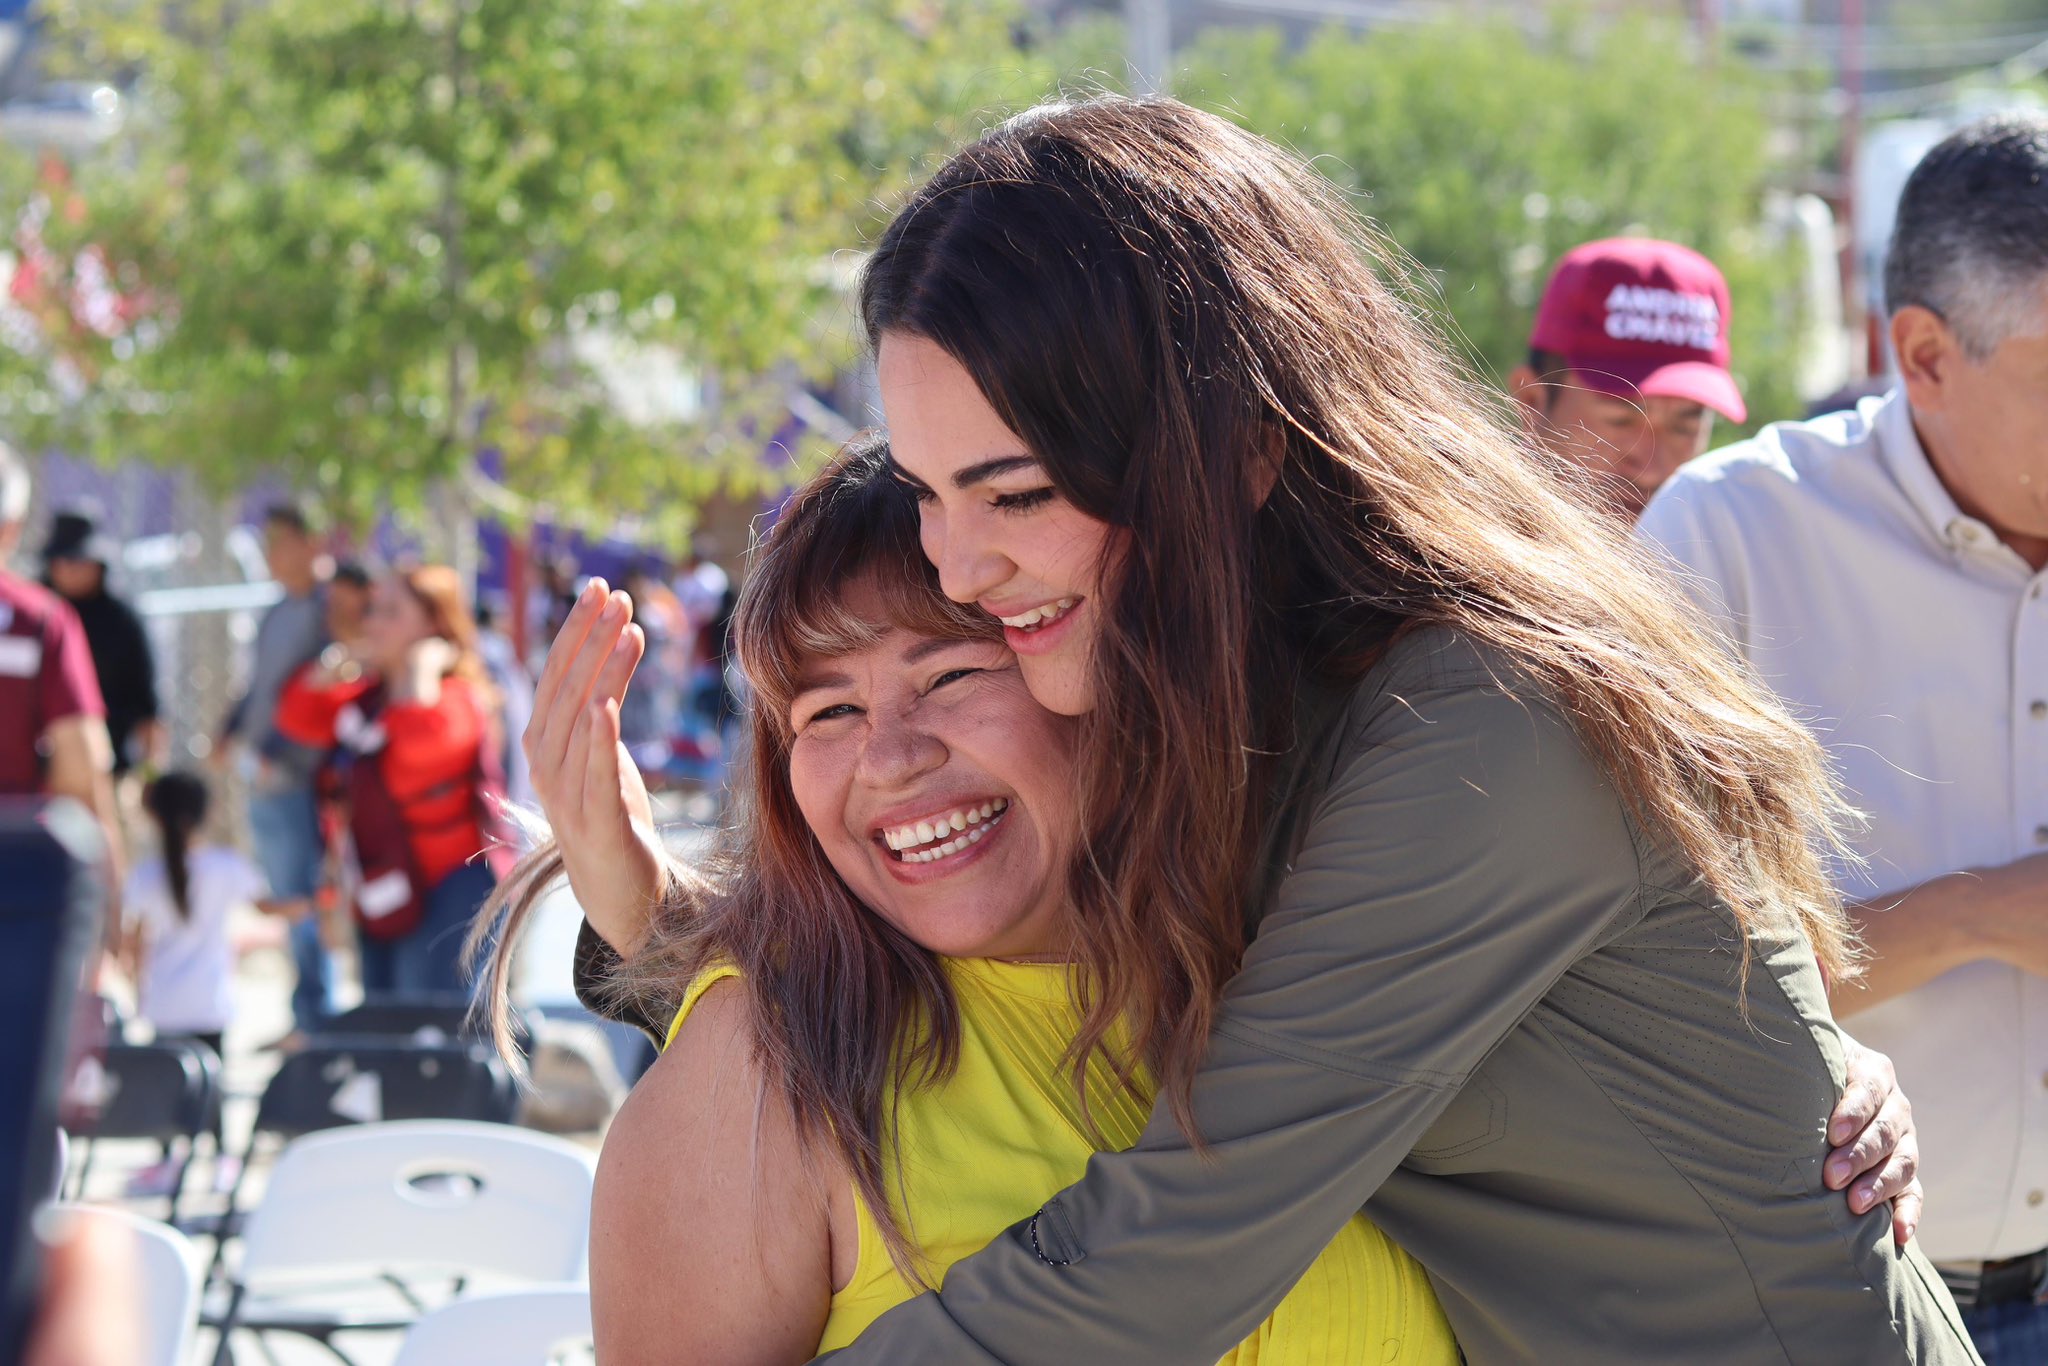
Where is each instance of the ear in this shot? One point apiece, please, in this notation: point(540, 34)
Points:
point(1267, 463)
point(1530, 393)
point(1928, 355)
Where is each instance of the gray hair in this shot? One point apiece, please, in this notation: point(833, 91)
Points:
point(14, 487)
point(1971, 240)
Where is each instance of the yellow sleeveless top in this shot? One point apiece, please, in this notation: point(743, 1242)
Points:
point(987, 1146)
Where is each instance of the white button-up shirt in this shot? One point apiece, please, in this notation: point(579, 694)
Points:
point(1915, 643)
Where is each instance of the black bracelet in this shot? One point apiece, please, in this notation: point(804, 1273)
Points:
point(1038, 1251)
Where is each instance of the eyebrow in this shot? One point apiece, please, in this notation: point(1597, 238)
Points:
point(990, 469)
point(811, 683)
point(932, 645)
point(924, 649)
point(973, 474)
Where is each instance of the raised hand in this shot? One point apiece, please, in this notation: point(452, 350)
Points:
point(587, 783)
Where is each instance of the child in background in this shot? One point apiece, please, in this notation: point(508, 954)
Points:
point(180, 900)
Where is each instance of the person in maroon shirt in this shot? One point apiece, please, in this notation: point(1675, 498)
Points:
point(53, 728)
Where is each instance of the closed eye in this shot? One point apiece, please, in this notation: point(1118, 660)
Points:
point(1021, 502)
point(951, 676)
point(831, 713)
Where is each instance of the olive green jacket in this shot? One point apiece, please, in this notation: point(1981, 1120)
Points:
point(1484, 1006)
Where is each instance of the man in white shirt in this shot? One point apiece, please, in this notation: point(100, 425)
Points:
point(1886, 570)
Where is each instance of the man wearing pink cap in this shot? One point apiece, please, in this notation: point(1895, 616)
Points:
point(1628, 363)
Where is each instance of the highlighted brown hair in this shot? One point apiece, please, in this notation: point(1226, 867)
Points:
point(845, 1012)
point(1167, 309)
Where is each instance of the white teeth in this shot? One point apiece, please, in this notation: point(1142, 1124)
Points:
point(1045, 612)
point(966, 824)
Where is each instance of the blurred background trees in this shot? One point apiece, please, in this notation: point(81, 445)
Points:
point(348, 244)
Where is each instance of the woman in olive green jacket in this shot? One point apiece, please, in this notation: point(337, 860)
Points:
point(1533, 878)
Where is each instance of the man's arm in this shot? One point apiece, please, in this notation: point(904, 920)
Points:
point(1918, 934)
point(82, 767)
point(1464, 858)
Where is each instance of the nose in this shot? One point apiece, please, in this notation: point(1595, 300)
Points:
point(896, 752)
point(970, 567)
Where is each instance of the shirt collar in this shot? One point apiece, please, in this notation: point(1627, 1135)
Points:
point(1898, 445)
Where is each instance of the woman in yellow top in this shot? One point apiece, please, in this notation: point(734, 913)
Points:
point(868, 1075)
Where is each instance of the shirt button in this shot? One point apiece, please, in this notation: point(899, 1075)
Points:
point(2041, 834)
point(2039, 709)
point(2034, 1198)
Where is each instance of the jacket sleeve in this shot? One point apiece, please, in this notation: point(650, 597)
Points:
point(1467, 853)
point(595, 961)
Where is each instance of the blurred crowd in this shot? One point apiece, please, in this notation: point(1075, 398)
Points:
point(371, 745)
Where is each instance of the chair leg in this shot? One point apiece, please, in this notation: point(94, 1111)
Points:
point(84, 1169)
point(223, 1353)
point(178, 1183)
point(226, 1227)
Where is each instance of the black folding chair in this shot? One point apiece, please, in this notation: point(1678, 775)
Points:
point(336, 1081)
point(426, 1017)
point(165, 1092)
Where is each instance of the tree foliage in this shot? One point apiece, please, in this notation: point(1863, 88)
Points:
point(1487, 153)
point(373, 236)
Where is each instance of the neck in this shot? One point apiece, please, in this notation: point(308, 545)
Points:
point(2031, 548)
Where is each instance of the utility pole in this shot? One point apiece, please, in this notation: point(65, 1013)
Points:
point(1151, 45)
point(1852, 135)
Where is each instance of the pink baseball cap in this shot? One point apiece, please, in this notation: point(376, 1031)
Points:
point(1633, 315)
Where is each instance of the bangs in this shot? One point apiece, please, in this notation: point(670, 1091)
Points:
point(839, 571)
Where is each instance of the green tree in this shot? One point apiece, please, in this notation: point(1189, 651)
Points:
point(1487, 154)
point(374, 236)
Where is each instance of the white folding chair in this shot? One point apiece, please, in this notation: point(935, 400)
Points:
point(397, 1202)
point(168, 1266)
point(512, 1328)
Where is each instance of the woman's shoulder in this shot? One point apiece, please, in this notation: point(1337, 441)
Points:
point(1457, 738)
point(1436, 674)
point(700, 987)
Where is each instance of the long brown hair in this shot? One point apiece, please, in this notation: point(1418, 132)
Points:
point(1165, 308)
point(438, 589)
point(845, 1012)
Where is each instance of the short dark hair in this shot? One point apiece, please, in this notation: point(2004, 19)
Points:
point(289, 515)
point(1971, 240)
point(1552, 370)
point(352, 573)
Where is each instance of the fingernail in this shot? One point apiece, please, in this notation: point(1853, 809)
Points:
point(1838, 1170)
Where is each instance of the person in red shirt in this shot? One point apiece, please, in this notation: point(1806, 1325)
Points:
point(413, 699)
point(53, 727)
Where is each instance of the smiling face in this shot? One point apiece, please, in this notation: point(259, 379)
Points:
point(940, 792)
point(394, 623)
point(1001, 536)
